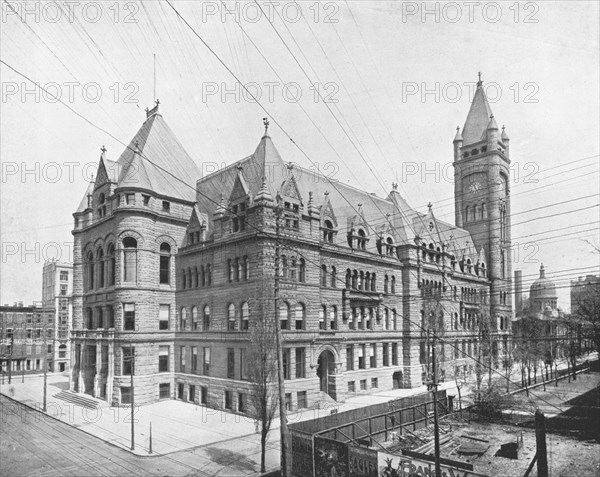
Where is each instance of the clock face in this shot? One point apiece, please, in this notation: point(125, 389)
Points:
point(474, 186)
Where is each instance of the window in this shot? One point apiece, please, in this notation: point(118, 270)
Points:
point(130, 199)
point(333, 317)
point(286, 363)
point(361, 357)
point(192, 393)
point(284, 315)
point(90, 270)
point(203, 395)
point(230, 363)
point(125, 395)
point(333, 277)
point(322, 315)
point(163, 359)
point(164, 391)
point(300, 363)
point(243, 364)
point(374, 383)
point(166, 206)
point(351, 387)
point(323, 275)
point(373, 356)
point(194, 317)
point(245, 268)
point(363, 384)
point(206, 318)
point(386, 354)
point(231, 317)
point(163, 317)
point(361, 240)
point(302, 270)
point(100, 268)
point(127, 354)
point(64, 276)
point(146, 199)
point(300, 314)
point(245, 317)
point(394, 354)
point(241, 402)
point(302, 400)
point(128, 316)
point(183, 319)
point(229, 270)
point(130, 259)
point(64, 289)
point(194, 359)
point(328, 231)
point(228, 400)
point(165, 263)
point(182, 359)
point(110, 263)
point(206, 361)
point(393, 285)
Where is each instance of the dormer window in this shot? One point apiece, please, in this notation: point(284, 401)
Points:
point(389, 246)
point(328, 231)
point(166, 206)
point(130, 199)
point(291, 215)
point(101, 205)
point(146, 199)
point(238, 220)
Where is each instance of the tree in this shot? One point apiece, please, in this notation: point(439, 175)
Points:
point(262, 373)
point(585, 308)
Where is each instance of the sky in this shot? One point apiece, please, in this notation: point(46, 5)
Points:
point(367, 92)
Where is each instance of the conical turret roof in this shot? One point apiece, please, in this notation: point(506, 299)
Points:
point(478, 118)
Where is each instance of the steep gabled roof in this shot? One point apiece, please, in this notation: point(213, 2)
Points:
point(477, 119)
point(162, 165)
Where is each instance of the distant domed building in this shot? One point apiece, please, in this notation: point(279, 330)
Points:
point(542, 296)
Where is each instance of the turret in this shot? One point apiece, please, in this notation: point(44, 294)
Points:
point(505, 140)
point(492, 134)
point(458, 142)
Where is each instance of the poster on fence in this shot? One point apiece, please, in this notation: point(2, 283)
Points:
point(302, 455)
point(331, 458)
point(362, 462)
point(404, 466)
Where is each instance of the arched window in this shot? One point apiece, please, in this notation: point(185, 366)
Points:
point(90, 319)
point(467, 216)
point(183, 319)
point(361, 280)
point(129, 259)
point(386, 320)
point(189, 278)
point(483, 211)
point(165, 263)
point(194, 318)
point(333, 317)
point(245, 322)
point(348, 278)
point(389, 246)
point(302, 270)
point(373, 281)
point(206, 318)
point(231, 317)
point(110, 272)
point(333, 277)
point(386, 284)
point(393, 285)
point(100, 260)
point(300, 317)
point(183, 279)
point(328, 231)
point(238, 270)
point(293, 272)
point(362, 239)
point(323, 275)
point(284, 266)
point(394, 323)
point(473, 213)
point(208, 274)
point(284, 315)
point(367, 281)
point(202, 275)
point(246, 268)
point(91, 270)
point(195, 277)
point(322, 317)
point(354, 279)
point(229, 270)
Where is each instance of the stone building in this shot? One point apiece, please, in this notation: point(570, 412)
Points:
point(57, 288)
point(177, 273)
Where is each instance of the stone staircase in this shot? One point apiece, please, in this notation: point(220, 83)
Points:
point(77, 399)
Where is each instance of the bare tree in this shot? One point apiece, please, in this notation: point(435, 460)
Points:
point(262, 373)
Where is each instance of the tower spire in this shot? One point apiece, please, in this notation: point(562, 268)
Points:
point(266, 123)
point(479, 81)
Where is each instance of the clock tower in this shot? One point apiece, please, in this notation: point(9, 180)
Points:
point(482, 194)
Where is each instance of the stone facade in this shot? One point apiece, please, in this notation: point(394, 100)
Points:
point(360, 279)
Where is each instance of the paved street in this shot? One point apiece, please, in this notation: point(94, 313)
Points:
point(35, 445)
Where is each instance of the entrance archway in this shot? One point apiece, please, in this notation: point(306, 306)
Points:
point(326, 368)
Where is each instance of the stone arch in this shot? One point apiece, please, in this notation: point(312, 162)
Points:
point(162, 239)
point(314, 359)
point(129, 233)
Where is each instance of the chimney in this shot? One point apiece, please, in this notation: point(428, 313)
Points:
point(518, 292)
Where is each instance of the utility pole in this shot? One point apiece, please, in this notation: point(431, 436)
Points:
point(132, 361)
point(10, 361)
point(45, 372)
point(278, 340)
point(436, 429)
point(540, 444)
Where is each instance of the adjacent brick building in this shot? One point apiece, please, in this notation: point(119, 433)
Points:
point(177, 272)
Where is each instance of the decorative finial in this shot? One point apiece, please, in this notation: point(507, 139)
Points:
point(310, 198)
point(137, 146)
point(103, 149)
point(157, 102)
point(147, 110)
point(479, 83)
point(266, 123)
point(430, 206)
point(457, 128)
point(290, 165)
point(240, 168)
point(394, 185)
point(491, 116)
point(326, 193)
